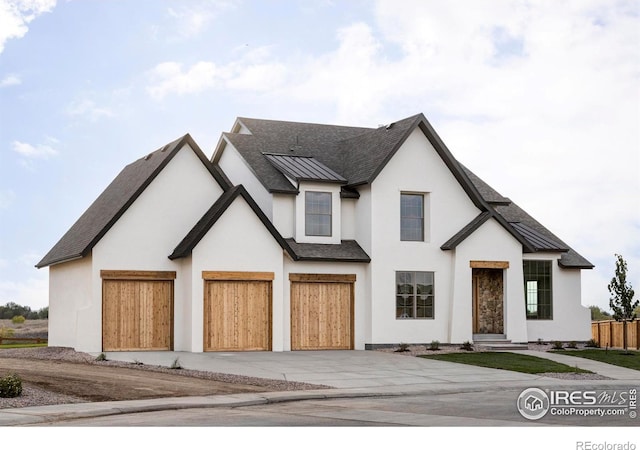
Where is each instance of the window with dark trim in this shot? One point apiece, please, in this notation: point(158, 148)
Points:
point(411, 217)
point(414, 295)
point(317, 208)
point(538, 289)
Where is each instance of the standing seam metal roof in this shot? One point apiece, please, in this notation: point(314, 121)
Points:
point(536, 239)
point(303, 168)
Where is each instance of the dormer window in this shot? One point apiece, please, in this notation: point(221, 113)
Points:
point(317, 206)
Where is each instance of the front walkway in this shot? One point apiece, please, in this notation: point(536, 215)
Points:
point(607, 370)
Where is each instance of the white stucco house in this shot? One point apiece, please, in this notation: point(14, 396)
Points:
point(298, 236)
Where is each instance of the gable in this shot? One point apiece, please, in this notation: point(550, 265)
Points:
point(167, 209)
point(237, 238)
point(116, 199)
point(215, 213)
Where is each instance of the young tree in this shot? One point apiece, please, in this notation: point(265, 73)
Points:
point(621, 300)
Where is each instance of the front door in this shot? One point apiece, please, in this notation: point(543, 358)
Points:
point(488, 301)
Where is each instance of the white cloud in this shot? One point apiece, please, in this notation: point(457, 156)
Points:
point(15, 16)
point(257, 77)
point(193, 19)
point(247, 73)
point(39, 151)
point(168, 77)
point(88, 108)
point(10, 80)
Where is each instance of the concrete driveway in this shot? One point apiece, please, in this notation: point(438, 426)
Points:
point(340, 369)
point(356, 374)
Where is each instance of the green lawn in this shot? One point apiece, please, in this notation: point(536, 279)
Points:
point(630, 360)
point(507, 361)
point(22, 345)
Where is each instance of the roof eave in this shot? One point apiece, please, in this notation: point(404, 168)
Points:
point(53, 262)
point(326, 259)
point(576, 266)
point(467, 231)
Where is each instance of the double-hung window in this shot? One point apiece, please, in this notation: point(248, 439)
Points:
point(317, 207)
point(411, 217)
point(537, 289)
point(414, 295)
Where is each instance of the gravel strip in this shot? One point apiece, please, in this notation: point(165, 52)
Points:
point(33, 396)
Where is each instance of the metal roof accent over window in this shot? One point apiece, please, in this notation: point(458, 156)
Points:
point(538, 240)
point(303, 168)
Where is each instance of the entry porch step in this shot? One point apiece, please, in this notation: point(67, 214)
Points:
point(482, 338)
point(497, 342)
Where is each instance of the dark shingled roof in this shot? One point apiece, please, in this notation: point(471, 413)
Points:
point(355, 153)
point(346, 251)
point(488, 193)
point(85, 233)
point(360, 154)
point(304, 168)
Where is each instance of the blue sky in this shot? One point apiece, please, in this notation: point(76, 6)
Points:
point(541, 99)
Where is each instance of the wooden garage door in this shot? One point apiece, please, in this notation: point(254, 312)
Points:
point(137, 310)
point(237, 311)
point(321, 311)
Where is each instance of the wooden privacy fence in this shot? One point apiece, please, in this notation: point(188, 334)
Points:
point(610, 333)
point(19, 340)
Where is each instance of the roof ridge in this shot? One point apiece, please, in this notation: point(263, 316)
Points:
point(239, 118)
point(381, 128)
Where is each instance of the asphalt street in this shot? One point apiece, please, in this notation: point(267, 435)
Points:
point(495, 407)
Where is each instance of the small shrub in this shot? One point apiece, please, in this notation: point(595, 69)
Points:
point(138, 362)
point(402, 348)
point(572, 344)
point(176, 364)
point(17, 319)
point(101, 357)
point(557, 345)
point(466, 345)
point(591, 343)
point(10, 386)
point(435, 345)
point(6, 332)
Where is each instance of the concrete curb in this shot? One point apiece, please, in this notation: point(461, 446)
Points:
point(40, 415)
